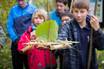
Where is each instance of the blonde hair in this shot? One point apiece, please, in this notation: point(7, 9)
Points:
point(40, 13)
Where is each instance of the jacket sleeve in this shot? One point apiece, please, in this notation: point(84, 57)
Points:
point(25, 38)
point(64, 31)
point(98, 39)
point(10, 23)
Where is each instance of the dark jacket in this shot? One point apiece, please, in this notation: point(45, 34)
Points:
point(72, 57)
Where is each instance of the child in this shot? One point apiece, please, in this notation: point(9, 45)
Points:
point(79, 29)
point(38, 58)
point(66, 17)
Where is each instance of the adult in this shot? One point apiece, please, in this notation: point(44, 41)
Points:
point(19, 20)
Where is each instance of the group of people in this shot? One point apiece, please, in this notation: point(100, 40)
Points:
point(76, 25)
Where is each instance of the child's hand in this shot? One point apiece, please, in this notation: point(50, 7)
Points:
point(26, 48)
point(32, 36)
point(43, 46)
point(94, 23)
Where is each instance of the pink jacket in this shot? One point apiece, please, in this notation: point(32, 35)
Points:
point(37, 58)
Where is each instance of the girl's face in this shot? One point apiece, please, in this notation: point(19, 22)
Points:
point(38, 20)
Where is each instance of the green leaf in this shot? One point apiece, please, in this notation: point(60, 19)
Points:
point(47, 31)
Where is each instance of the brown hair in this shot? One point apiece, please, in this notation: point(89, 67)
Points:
point(81, 4)
point(62, 1)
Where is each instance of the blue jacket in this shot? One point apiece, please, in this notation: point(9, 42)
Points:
point(19, 20)
point(72, 57)
point(55, 16)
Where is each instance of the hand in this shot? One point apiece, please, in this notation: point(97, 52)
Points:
point(43, 46)
point(33, 36)
point(61, 46)
point(94, 23)
point(26, 48)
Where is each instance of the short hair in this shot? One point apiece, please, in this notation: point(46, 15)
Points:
point(41, 13)
point(81, 4)
point(67, 14)
point(62, 1)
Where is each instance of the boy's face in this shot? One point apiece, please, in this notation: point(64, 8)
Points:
point(60, 7)
point(38, 20)
point(80, 14)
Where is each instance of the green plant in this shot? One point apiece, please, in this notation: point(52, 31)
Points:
point(5, 58)
point(100, 58)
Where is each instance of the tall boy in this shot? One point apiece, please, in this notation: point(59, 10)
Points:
point(79, 29)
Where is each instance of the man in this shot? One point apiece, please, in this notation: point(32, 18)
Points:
point(79, 29)
point(19, 20)
point(60, 8)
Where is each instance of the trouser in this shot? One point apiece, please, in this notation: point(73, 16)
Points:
point(59, 57)
point(18, 60)
point(61, 61)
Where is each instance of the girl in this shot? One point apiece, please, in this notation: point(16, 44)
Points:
point(38, 58)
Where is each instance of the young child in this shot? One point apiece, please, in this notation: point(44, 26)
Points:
point(66, 17)
point(38, 58)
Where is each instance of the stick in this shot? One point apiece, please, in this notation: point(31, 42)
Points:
point(91, 42)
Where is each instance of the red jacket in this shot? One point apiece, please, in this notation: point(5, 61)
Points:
point(37, 58)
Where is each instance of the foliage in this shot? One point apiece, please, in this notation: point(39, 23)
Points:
point(5, 56)
point(100, 58)
point(49, 5)
point(5, 6)
point(47, 31)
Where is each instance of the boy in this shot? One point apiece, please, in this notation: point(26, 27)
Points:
point(66, 17)
point(60, 8)
point(79, 29)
